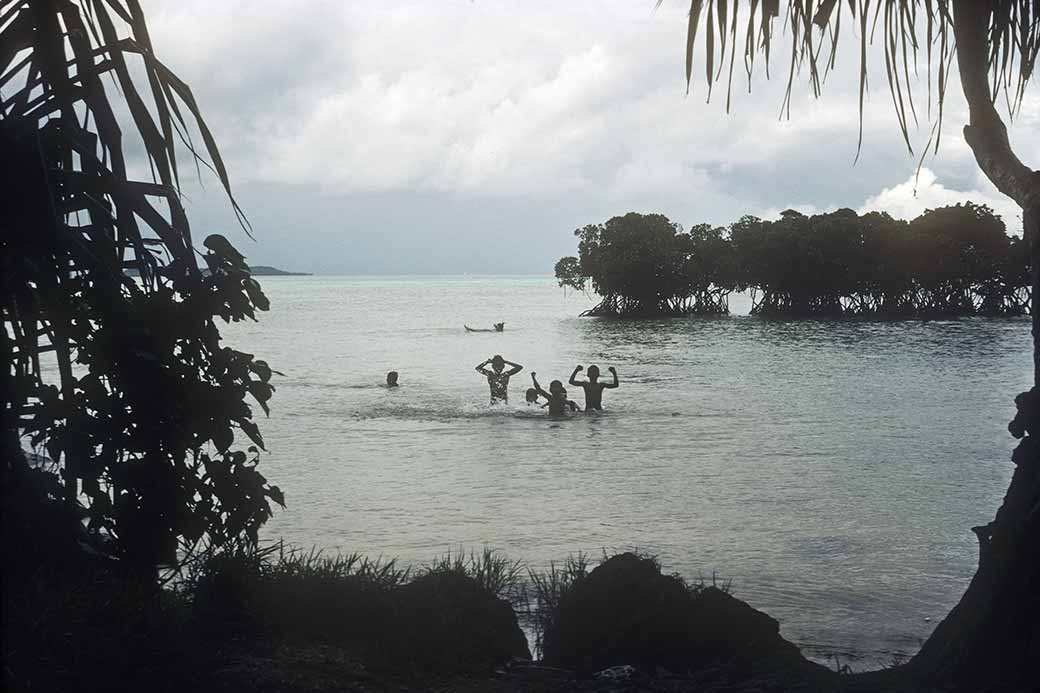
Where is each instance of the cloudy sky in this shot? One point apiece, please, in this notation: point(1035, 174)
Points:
point(473, 136)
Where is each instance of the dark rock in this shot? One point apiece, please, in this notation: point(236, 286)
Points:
point(727, 629)
point(626, 612)
point(445, 622)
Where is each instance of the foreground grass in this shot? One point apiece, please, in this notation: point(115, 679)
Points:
point(235, 615)
point(284, 619)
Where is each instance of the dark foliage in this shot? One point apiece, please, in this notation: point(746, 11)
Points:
point(449, 618)
point(950, 261)
point(644, 264)
point(274, 592)
point(122, 380)
point(955, 260)
point(98, 631)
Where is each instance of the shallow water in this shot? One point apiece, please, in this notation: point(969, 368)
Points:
point(830, 470)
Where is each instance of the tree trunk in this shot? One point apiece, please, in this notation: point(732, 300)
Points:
point(988, 139)
point(991, 639)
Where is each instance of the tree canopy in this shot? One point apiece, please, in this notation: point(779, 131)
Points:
point(644, 264)
point(956, 260)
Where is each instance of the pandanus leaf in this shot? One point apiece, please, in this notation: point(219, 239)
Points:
point(223, 248)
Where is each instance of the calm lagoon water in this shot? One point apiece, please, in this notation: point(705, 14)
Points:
point(831, 470)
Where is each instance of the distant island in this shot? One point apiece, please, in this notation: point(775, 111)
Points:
point(255, 270)
point(267, 271)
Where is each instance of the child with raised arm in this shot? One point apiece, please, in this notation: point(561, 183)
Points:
point(498, 377)
point(593, 387)
point(557, 396)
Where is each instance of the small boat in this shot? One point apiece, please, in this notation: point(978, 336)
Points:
point(499, 327)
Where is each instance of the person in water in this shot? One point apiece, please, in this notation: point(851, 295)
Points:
point(391, 379)
point(593, 387)
point(531, 396)
point(498, 376)
point(557, 396)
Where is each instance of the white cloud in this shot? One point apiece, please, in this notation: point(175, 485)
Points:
point(486, 96)
point(913, 196)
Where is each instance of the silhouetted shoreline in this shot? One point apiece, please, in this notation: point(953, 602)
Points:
point(282, 619)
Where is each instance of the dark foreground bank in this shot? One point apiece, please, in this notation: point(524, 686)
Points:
point(276, 620)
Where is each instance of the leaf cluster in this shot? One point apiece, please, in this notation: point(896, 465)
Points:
point(113, 362)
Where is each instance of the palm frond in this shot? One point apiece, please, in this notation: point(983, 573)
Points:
point(902, 28)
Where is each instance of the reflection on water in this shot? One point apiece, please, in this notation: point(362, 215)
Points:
point(830, 469)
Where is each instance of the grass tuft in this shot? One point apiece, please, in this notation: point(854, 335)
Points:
point(549, 588)
point(492, 572)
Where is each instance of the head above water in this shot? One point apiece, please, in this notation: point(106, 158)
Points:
point(531, 395)
point(498, 363)
point(391, 379)
point(500, 326)
point(593, 372)
point(556, 388)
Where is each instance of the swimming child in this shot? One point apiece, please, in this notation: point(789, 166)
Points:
point(593, 388)
point(498, 377)
point(391, 379)
point(531, 396)
point(557, 396)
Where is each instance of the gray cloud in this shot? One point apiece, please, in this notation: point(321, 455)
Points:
point(474, 136)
